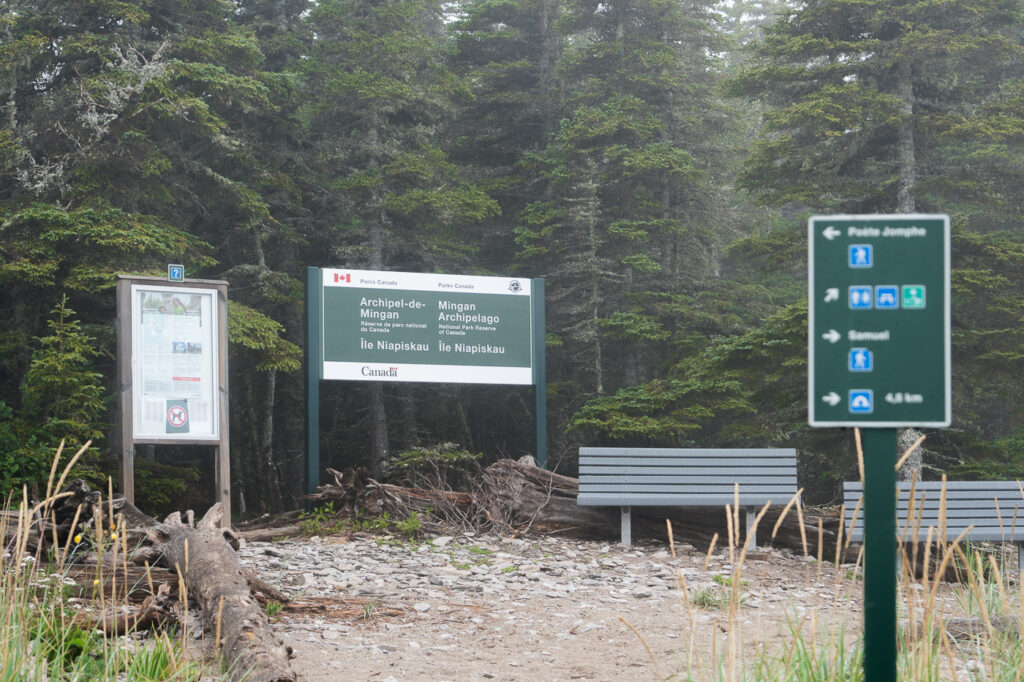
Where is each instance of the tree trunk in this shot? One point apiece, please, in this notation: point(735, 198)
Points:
point(272, 480)
point(214, 577)
point(905, 203)
point(590, 209)
point(378, 223)
point(906, 162)
point(378, 429)
point(547, 70)
point(911, 469)
point(408, 437)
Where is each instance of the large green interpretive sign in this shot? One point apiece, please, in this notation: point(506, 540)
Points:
point(401, 326)
point(879, 321)
point(364, 325)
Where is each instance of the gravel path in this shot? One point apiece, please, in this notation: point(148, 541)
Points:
point(482, 607)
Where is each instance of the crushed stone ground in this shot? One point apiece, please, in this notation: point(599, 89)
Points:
point(543, 608)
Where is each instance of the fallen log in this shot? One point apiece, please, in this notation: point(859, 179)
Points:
point(133, 583)
point(354, 492)
point(270, 534)
point(202, 555)
point(206, 561)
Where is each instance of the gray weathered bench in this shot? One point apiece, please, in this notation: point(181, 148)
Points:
point(993, 510)
point(669, 477)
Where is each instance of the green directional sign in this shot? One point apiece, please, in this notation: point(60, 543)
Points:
point(879, 340)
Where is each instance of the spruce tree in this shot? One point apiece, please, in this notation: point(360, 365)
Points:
point(129, 140)
point(625, 198)
point(861, 94)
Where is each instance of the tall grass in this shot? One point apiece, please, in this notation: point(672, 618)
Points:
point(964, 631)
point(43, 634)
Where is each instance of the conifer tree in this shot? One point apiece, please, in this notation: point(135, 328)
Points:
point(861, 94)
point(508, 52)
point(625, 200)
point(62, 400)
point(127, 143)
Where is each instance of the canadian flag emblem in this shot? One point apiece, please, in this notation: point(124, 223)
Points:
point(347, 277)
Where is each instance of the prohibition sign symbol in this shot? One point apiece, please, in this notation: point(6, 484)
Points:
point(177, 416)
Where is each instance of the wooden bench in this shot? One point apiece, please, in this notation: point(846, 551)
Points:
point(668, 477)
point(993, 510)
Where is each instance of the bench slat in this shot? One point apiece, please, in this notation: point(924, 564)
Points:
point(696, 482)
point(669, 500)
point(687, 452)
point(990, 535)
point(951, 486)
point(703, 476)
point(986, 506)
point(685, 467)
point(696, 462)
point(906, 485)
point(953, 501)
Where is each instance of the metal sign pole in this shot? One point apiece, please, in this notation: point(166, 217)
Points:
point(540, 386)
point(879, 554)
point(314, 368)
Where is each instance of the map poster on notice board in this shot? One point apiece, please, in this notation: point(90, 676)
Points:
point(174, 363)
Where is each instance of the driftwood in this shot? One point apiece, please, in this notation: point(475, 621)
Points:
point(201, 554)
point(133, 585)
point(353, 492)
point(518, 496)
point(270, 534)
point(157, 611)
point(209, 565)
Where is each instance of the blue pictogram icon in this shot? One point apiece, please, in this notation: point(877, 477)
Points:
point(861, 360)
point(861, 256)
point(887, 297)
point(862, 401)
point(175, 273)
point(860, 297)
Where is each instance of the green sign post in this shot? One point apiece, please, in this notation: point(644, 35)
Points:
point(401, 326)
point(879, 358)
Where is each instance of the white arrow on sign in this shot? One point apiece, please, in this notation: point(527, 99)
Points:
point(831, 233)
point(831, 336)
point(832, 398)
point(831, 295)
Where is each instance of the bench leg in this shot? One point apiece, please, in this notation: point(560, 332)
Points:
point(627, 527)
point(751, 540)
point(1020, 560)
